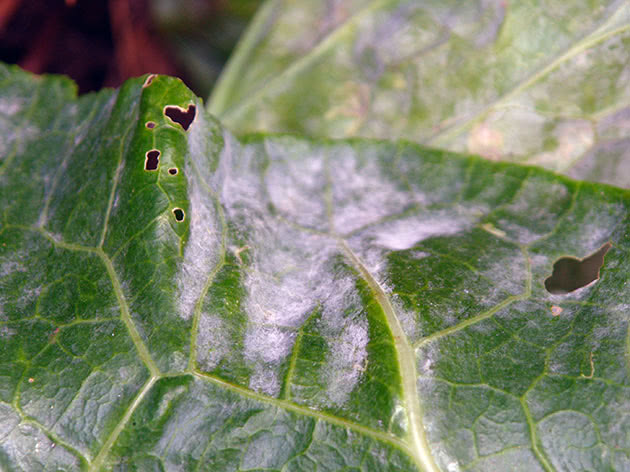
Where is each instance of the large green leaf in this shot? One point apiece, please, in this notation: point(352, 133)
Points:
point(324, 305)
point(544, 83)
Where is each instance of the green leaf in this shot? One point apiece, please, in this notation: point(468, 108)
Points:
point(323, 305)
point(539, 83)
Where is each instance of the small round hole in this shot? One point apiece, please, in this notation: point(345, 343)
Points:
point(150, 124)
point(173, 171)
point(179, 214)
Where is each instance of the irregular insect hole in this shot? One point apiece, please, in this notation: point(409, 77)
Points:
point(152, 160)
point(150, 124)
point(173, 171)
point(181, 116)
point(148, 80)
point(570, 273)
point(179, 214)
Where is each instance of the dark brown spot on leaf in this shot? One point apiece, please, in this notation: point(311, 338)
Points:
point(570, 273)
point(173, 171)
point(152, 160)
point(179, 214)
point(180, 116)
point(150, 124)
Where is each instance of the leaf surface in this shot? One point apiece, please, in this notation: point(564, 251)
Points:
point(538, 83)
point(316, 305)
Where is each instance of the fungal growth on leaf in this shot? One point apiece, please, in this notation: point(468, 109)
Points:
point(180, 116)
point(570, 273)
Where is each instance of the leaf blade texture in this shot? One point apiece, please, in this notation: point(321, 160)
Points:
point(320, 305)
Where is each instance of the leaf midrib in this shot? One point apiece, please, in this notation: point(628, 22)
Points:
point(407, 359)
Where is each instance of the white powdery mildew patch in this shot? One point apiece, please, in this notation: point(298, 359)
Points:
point(213, 343)
point(288, 271)
point(297, 186)
point(539, 261)
point(518, 233)
point(202, 248)
point(6, 332)
point(453, 467)
point(289, 276)
point(268, 344)
point(10, 106)
point(29, 448)
point(345, 328)
point(346, 361)
point(17, 261)
point(375, 242)
point(239, 186)
point(508, 274)
point(9, 420)
point(406, 318)
point(266, 347)
point(427, 358)
point(13, 263)
point(205, 146)
point(13, 135)
point(533, 200)
point(601, 222)
point(406, 232)
point(265, 381)
point(361, 193)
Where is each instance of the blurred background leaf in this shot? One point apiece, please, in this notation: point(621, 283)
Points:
point(202, 34)
point(540, 83)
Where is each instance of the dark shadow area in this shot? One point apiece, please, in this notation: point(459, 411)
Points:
point(104, 42)
point(570, 273)
point(98, 43)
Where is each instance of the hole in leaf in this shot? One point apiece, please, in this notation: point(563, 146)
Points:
point(173, 171)
point(570, 273)
point(150, 124)
point(152, 160)
point(148, 81)
point(181, 116)
point(179, 214)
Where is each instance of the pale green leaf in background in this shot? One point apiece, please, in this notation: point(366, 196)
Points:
point(545, 83)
